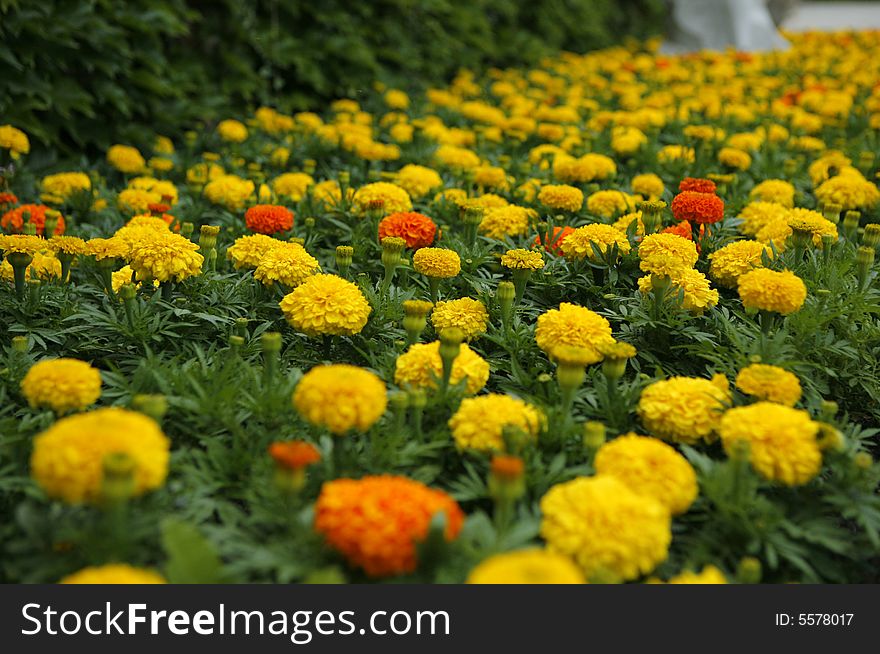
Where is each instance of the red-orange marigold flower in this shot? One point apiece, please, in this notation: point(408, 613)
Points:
point(553, 240)
point(683, 229)
point(268, 219)
point(158, 208)
point(294, 455)
point(13, 220)
point(507, 467)
point(376, 521)
point(697, 184)
point(7, 199)
point(417, 229)
point(701, 208)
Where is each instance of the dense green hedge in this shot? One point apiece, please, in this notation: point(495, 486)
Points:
point(79, 73)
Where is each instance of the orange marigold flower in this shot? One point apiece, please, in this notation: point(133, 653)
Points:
point(701, 208)
point(417, 229)
point(158, 208)
point(697, 184)
point(552, 241)
point(268, 219)
point(505, 466)
point(683, 229)
point(7, 199)
point(13, 220)
point(294, 455)
point(376, 521)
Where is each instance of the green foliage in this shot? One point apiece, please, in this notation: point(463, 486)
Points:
point(159, 66)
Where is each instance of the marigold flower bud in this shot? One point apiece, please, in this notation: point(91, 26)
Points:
point(472, 215)
point(506, 481)
point(344, 177)
point(571, 363)
point(186, 229)
point(863, 460)
point(208, 236)
point(864, 263)
point(871, 237)
point(789, 167)
point(828, 409)
point(506, 293)
point(20, 344)
point(392, 247)
point(594, 435)
point(241, 324)
point(309, 222)
point(851, 221)
point(749, 570)
point(616, 355)
point(291, 460)
point(344, 254)
point(418, 399)
point(154, 406)
point(450, 346)
point(236, 342)
point(830, 438)
point(117, 484)
point(414, 320)
point(271, 342)
point(832, 212)
point(309, 166)
point(127, 292)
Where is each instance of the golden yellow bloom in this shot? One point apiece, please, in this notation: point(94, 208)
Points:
point(501, 222)
point(770, 383)
point(609, 530)
point(393, 198)
point(649, 467)
point(532, 566)
point(44, 265)
point(561, 197)
point(698, 295)
point(293, 185)
point(672, 153)
point(456, 157)
point(588, 168)
point(436, 262)
point(68, 458)
point(815, 223)
point(230, 191)
point(421, 367)
point(114, 573)
point(579, 243)
point(166, 191)
point(418, 181)
point(248, 251)
point(666, 254)
point(340, 397)
point(709, 575)
point(683, 409)
point(849, 190)
point(14, 140)
point(136, 200)
point(782, 443)
point(648, 185)
point(480, 421)
point(123, 276)
point(774, 190)
point(520, 259)
point(126, 159)
point(62, 385)
point(758, 214)
point(736, 259)
point(768, 290)
point(23, 243)
point(469, 315)
point(288, 263)
point(326, 305)
point(67, 245)
point(57, 188)
point(106, 248)
point(232, 131)
point(734, 158)
point(607, 204)
point(202, 173)
point(571, 324)
point(164, 257)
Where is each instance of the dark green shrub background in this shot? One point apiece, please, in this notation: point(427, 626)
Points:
point(80, 74)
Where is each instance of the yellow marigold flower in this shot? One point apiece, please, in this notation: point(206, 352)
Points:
point(782, 441)
point(126, 159)
point(626, 220)
point(330, 193)
point(501, 222)
point(758, 214)
point(377, 522)
point(588, 168)
point(469, 315)
point(106, 248)
point(561, 197)
point(734, 158)
point(340, 397)
point(480, 421)
point(571, 324)
point(666, 254)
point(232, 131)
point(57, 188)
point(607, 204)
point(123, 276)
point(294, 185)
point(704, 132)
point(136, 200)
point(453, 156)
point(819, 169)
point(68, 458)
point(394, 198)
point(683, 409)
point(774, 190)
point(163, 145)
point(736, 259)
point(607, 529)
point(420, 367)
point(532, 566)
point(230, 191)
point(850, 191)
point(491, 177)
point(14, 140)
point(579, 243)
point(768, 290)
point(709, 575)
point(326, 305)
point(648, 185)
point(770, 383)
point(698, 295)
point(520, 259)
point(418, 181)
point(23, 243)
point(288, 263)
point(748, 141)
point(436, 262)
point(42, 266)
point(650, 467)
point(62, 385)
point(67, 245)
point(811, 221)
point(248, 251)
point(485, 201)
point(671, 153)
point(202, 173)
point(114, 573)
point(165, 256)
point(163, 188)
point(626, 140)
